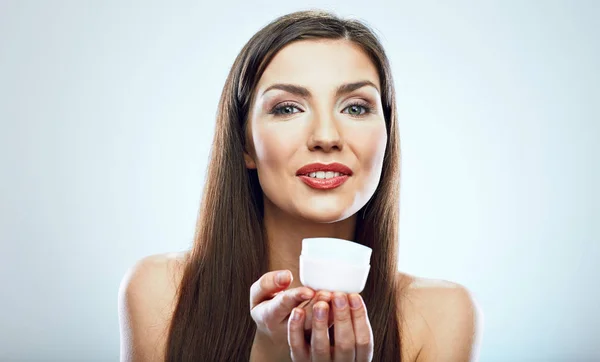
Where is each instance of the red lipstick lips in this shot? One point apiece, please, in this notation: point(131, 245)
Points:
point(320, 183)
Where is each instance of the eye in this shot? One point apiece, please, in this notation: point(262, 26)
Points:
point(354, 109)
point(283, 109)
point(286, 109)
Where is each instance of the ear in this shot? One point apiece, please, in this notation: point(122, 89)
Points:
point(249, 161)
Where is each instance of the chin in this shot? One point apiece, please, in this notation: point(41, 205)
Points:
point(326, 216)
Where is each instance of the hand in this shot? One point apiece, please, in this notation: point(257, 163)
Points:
point(270, 308)
point(271, 304)
point(352, 332)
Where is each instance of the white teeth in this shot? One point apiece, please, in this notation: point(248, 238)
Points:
point(324, 175)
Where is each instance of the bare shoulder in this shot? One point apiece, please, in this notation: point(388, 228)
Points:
point(440, 320)
point(147, 299)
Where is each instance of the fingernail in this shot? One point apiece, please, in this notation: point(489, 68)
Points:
point(355, 301)
point(305, 296)
point(325, 297)
point(320, 313)
point(282, 277)
point(295, 315)
point(340, 301)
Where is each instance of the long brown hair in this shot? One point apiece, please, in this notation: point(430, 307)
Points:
point(212, 319)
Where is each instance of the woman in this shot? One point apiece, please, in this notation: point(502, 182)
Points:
point(308, 89)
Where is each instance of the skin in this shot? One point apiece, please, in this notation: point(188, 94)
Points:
point(319, 126)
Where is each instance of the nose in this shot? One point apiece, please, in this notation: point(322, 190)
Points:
point(324, 135)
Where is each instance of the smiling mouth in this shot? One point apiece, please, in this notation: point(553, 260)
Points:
point(321, 170)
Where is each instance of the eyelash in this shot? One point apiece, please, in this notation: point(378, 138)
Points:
point(367, 106)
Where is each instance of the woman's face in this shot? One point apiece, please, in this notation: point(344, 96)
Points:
point(312, 122)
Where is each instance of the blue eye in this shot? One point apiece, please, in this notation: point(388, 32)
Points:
point(286, 109)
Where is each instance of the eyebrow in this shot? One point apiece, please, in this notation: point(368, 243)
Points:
point(305, 93)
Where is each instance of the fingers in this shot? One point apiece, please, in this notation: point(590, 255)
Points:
point(267, 285)
point(269, 312)
point(363, 333)
point(343, 330)
point(298, 347)
point(353, 333)
point(321, 295)
point(284, 302)
point(320, 348)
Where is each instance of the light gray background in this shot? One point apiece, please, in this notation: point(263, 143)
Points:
point(107, 112)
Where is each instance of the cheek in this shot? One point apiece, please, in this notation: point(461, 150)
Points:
point(369, 145)
point(274, 146)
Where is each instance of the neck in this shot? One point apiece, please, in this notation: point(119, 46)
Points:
point(284, 235)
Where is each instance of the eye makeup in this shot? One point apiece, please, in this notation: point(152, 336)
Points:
point(368, 108)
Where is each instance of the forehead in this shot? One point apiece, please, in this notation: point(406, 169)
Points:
point(319, 64)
